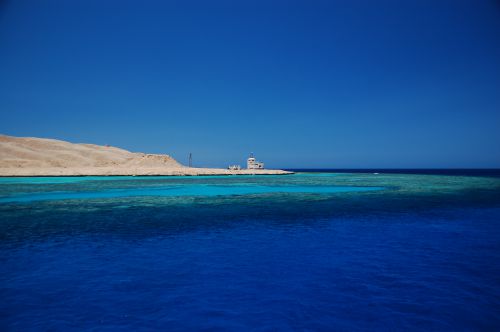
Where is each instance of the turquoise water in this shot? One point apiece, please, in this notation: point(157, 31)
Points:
point(181, 190)
point(312, 251)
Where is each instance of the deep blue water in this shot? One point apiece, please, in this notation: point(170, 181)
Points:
point(311, 251)
point(493, 172)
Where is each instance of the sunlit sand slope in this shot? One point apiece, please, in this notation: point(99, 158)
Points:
point(28, 156)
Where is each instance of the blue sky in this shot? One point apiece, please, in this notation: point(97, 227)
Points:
point(301, 84)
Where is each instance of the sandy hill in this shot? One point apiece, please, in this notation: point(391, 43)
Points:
point(28, 156)
point(48, 154)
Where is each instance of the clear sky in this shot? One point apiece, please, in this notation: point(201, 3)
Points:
point(349, 84)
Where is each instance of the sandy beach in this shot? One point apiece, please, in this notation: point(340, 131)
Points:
point(28, 156)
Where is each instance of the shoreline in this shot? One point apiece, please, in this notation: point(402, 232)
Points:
point(41, 157)
point(67, 172)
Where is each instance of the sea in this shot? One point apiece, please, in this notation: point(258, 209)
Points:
point(319, 250)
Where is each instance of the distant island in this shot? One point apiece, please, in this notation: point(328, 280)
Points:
point(29, 156)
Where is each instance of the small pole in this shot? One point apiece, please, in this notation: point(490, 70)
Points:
point(190, 159)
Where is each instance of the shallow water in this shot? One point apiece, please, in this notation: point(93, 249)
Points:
point(319, 251)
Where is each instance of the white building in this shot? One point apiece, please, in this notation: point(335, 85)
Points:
point(253, 164)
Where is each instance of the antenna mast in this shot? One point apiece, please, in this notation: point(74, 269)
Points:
point(190, 159)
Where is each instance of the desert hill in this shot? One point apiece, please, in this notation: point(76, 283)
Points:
point(18, 152)
point(29, 156)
